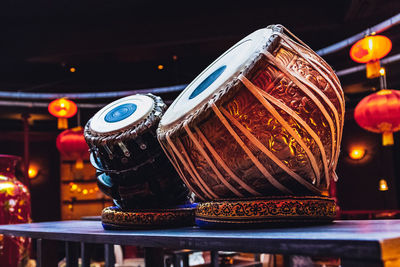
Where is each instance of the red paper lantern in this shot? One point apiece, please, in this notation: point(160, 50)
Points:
point(380, 113)
point(71, 143)
point(62, 109)
point(369, 50)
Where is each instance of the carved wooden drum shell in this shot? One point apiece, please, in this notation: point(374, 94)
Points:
point(264, 119)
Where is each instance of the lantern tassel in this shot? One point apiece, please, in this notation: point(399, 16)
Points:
point(62, 123)
point(79, 164)
point(373, 68)
point(387, 139)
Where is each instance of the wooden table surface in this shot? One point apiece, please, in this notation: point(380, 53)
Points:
point(363, 240)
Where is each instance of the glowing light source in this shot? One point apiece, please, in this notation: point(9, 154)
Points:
point(72, 69)
point(369, 50)
point(382, 71)
point(62, 109)
point(380, 113)
point(357, 153)
point(74, 187)
point(8, 187)
point(32, 172)
point(85, 191)
point(383, 186)
point(160, 67)
point(71, 143)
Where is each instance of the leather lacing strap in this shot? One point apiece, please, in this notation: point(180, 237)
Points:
point(175, 163)
point(255, 90)
point(252, 157)
point(94, 162)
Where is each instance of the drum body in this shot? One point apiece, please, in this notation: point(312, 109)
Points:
point(131, 166)
point(264, 119)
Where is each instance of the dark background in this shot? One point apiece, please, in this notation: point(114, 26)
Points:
point(118, 45)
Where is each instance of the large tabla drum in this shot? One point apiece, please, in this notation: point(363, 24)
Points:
point(256, 135)
point(133, 169)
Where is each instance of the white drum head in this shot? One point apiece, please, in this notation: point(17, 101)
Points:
point(215, 76)
point(122, 113)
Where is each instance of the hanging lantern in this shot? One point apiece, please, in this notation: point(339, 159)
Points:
point(62, 109)
point(369, 50)
point(72, 144)
point(383, 186)
point(380, 113)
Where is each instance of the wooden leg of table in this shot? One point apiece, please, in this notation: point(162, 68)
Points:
point(86, 250)
point(214, 259)
point(72, 253)
point(154, 257)
point(46, 252)
point(109, 255)
point(361, 263)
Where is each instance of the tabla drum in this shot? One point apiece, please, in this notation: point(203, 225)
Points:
point(256, 135)
point(132, 168)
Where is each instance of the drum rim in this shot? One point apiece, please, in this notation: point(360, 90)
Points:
point(224, 93)
point(130, 131)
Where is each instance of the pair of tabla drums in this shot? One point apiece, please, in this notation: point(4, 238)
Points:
point(255, 137)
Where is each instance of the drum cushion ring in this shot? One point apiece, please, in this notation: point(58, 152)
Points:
point(266, 212)
point(114, 218)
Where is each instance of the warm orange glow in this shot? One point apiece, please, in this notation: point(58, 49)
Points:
point(62, 108)
point(383, 186)
point(8, 187)
point(79, 164)
point(373, 69)
point(160, 67)
point(382, 71)
point(384, 92)
point(72, 69)
point(387, 139)
point(370, 48)
point(357, 153)
point(71, 143)
point(85, 191)
point(379, 113)
point(32, 172)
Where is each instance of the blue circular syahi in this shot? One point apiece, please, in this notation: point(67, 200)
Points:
point(207, 82)
point(120, 112)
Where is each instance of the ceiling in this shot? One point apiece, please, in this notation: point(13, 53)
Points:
point(118, 45)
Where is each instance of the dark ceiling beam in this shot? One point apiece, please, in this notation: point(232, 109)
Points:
point(381, 27)
point(112, 94)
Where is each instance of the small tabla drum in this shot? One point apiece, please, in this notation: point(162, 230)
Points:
point(133, 169)
point(256, 135)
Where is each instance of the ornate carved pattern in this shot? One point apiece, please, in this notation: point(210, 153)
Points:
point(268, 209)
point(307, 145)
point(114, 216)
